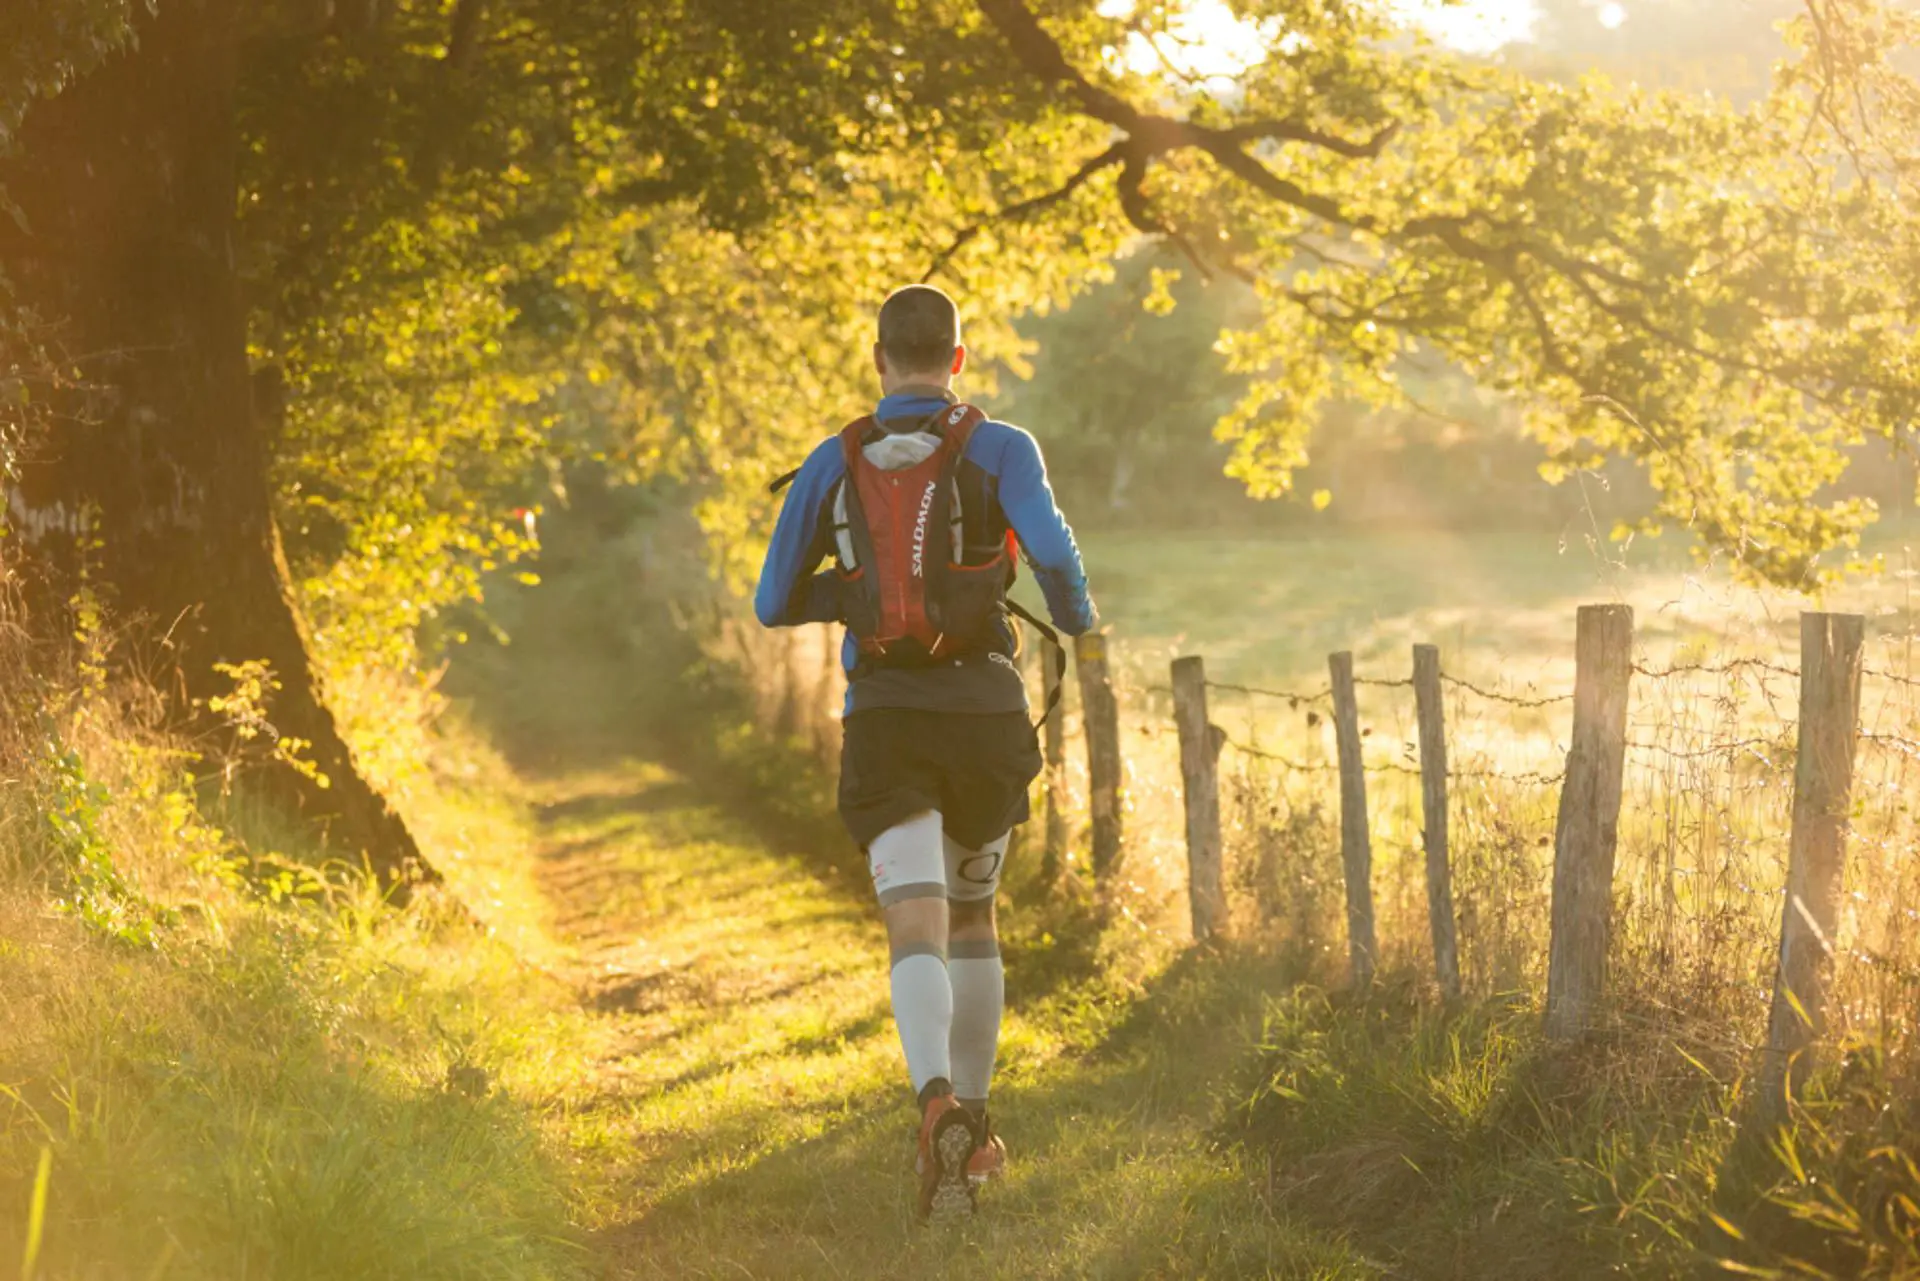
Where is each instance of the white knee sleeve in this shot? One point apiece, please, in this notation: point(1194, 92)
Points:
point(908, 861)
point(973, 875)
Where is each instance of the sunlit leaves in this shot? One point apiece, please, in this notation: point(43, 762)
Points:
point(647, 235)
point(653, 235)
point(1653, 276)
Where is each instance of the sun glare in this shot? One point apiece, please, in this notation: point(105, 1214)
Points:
point(1208, 41)
point(1472, 26)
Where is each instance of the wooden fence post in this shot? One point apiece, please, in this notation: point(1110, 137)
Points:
point(1588, 827)
point(1830, 646)
point(826, 710)
point(1101, 712)
point(1356, 845)
point(1200, 779)
point(790, 714)
point(1053, 857)
point(1433, 804)
point(1021, 836)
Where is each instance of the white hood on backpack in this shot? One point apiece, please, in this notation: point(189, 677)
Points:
point(889, 453)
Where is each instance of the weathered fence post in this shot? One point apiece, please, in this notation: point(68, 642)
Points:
point(1200, 779)
point(826, 708)
point(766, 654)
point(1356, 845)
point(790, 715)
point(1052, 859)
point(1830, 646)
point(1589, 823)
point(1101, 713)
point(1433, 805)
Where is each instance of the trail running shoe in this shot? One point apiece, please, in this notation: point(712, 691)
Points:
point(947, 1145)
point(990, 1157)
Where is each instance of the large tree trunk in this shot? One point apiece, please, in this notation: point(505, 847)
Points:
point(128, 181)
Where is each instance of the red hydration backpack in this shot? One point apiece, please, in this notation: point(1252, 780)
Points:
point(910, 597)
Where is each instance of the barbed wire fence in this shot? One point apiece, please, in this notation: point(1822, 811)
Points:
point(1695, 809)
point(1701, 805)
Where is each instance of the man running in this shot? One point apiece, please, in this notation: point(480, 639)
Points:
point(923, 506)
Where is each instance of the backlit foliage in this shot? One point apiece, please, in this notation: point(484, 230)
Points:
point(1656, 276)
point(486, 240)
point(654, 241)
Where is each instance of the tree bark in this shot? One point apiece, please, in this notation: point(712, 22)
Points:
point(129, 185)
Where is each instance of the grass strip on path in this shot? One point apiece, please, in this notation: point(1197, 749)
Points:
point(753, 1120)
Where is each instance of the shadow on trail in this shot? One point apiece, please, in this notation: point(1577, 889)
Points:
point(619, 803)
point(748, 1116)
point(1115, 1173)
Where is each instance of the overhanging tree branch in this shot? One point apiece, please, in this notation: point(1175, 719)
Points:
point(1492, 244)
point(1294, 131)
point(1151, 135)
point(1114, 155)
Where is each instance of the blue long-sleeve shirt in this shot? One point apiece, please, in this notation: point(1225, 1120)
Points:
point(794, 590)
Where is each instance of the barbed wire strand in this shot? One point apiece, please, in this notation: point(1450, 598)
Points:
point(1261, 753)
point(1512, 700)
point(1285, 695)
point(1727, 668)
point(1892, 742)
point(1388, 767)
point(1711, 749)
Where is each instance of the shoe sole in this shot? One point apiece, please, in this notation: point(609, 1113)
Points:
point(953, 1147)
point(989, 1176)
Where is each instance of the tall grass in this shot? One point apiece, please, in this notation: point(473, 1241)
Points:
point(220, 1057)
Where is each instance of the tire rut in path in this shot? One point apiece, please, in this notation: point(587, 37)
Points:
point(749, 1117)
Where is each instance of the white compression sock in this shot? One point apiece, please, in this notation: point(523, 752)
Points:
point(923, 1010)
point(979, 994)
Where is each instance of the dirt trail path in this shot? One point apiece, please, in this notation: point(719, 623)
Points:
point(749, 1119)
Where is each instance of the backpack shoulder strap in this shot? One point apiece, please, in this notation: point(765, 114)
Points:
point(786, 478)
point(853, 438)
point(956, 426)
point(852, 445)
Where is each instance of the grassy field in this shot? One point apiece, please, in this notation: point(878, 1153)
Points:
point(1415, 1139)
point(667, 1053)
point(1709, 769)
point(1635, 1131)
point(1501, 604)
point(682, 1067)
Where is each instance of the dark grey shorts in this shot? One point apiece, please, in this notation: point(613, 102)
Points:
point(974, 768)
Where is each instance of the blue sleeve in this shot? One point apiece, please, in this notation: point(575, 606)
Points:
point(1051, 552)
point(790, 592)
